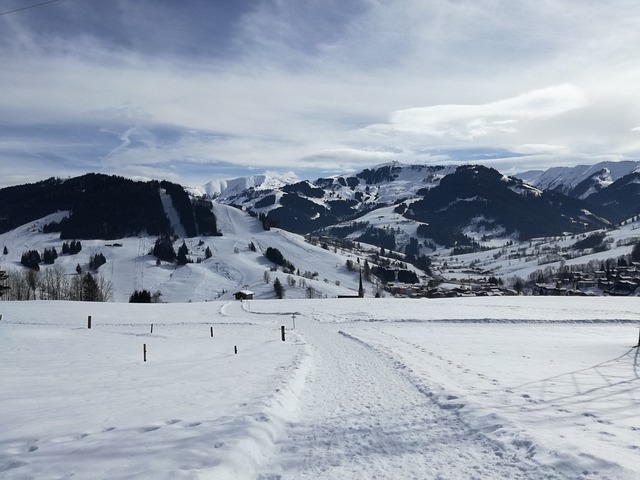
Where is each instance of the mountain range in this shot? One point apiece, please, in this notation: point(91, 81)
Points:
point(448, 205)
point(392, 205)
point(411, 222)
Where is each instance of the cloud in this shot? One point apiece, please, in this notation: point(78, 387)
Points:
point(533, 149)
point(314, 84)
point(469, 122)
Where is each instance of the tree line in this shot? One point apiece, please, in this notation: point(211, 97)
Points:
point(55, 284)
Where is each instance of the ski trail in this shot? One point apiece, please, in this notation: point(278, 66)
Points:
point(360, 417)
point(172, 214)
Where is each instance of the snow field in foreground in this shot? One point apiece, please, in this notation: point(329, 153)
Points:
point(459, 388)
point(84, 403)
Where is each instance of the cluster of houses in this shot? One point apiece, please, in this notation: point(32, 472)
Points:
point(618, 281)
point(403, 290)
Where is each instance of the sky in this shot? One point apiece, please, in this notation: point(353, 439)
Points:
point(197, 90)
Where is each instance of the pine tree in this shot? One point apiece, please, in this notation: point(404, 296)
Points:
point(163, 249)
point(207, 253)
point(143, 296)
point(5, 251)
point(90, 292)
point(96, 261)
point(75, 247)
point(182, 254)
point(278, 288)
point(31, 259)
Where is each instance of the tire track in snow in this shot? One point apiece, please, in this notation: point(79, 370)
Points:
point(360, 417)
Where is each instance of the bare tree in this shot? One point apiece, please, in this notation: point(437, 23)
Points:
point(54, 283)
point(18, 288)
point(31, 278)
point(105, 288)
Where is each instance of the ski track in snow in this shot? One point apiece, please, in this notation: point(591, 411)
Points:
point(361, 417)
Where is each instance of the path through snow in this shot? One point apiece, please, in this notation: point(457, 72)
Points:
point(361, 417)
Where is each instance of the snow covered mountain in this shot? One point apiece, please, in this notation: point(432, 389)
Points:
point(224, 189)
point(620, 200)
point(394, 206)
point(106, 207)
point(416, 210)
point(580, 181)
point(237, 261)
point(394, 203)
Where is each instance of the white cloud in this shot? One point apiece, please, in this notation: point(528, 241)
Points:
point(468, 122)
point(307, 84)
point(534, 149)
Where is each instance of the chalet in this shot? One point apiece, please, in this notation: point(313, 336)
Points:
point(244, 295)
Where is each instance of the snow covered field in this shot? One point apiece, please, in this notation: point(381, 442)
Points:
point(527, 387)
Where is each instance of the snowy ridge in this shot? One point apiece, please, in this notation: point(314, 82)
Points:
point(566, 179)
point(228, 188)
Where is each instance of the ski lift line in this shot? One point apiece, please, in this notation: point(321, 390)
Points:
point(28, 7)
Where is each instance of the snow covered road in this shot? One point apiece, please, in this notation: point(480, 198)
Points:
point(361, 417)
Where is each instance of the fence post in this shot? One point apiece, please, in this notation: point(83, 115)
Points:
point(152, 328)
point(89, 322)
point(235, 349)
point(211, 332)
point(144, 351)
point(282, 331)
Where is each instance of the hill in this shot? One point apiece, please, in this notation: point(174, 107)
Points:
point(106, 207)
point(233, 264)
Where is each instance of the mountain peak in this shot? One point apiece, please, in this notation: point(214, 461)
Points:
point(227, 188)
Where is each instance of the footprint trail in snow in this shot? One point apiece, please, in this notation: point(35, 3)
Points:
point(361, 417)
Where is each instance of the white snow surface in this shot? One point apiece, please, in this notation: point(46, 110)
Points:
point(511, 387)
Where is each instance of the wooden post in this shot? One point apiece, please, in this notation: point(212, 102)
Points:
point(152, 328)
point(294, 320)
point(211, 332)
point(282, 332)
point(235, 349)
point(89, 322)
point(144, 351)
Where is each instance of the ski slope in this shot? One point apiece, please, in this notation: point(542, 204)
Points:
point(131, 266)
point(511, 387)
